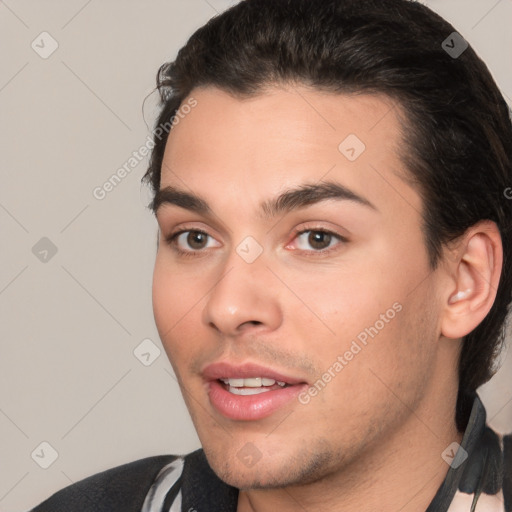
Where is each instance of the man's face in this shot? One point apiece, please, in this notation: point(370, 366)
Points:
point(329, 292)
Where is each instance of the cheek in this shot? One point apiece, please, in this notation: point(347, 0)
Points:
point(340, 304)
point(176, 306)
point(388, 362)
point(370, 319)
point(164, 300)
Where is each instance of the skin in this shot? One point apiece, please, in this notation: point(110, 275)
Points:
point(372, 438)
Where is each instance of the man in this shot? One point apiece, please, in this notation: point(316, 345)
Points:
point(334, 266)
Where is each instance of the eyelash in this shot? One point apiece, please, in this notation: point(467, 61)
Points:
point(322, 252)
point(171, 241)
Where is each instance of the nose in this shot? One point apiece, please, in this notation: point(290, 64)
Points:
point(243, 299)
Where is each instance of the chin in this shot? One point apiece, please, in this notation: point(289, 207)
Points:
point(271, 471)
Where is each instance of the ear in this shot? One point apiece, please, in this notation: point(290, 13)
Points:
point(474, 264)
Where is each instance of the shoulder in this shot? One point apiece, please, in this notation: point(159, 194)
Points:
point(122, 488)
point(486, 482)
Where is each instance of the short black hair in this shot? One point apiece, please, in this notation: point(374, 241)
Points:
point(458, 141)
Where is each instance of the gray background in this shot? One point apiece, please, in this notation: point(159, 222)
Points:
point(69, 324)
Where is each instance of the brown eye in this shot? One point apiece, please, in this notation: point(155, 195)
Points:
point(197, 239)
point(319, 239)
point(192, 241)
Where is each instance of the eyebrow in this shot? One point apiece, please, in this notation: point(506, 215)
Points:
point(296, 198)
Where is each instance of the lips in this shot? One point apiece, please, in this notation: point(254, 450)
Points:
point(226, 370)
point(249, 392)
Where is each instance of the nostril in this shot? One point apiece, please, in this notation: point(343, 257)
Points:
point(249, 323)
point(254, 322)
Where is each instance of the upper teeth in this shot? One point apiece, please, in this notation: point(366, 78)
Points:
point(252, 382)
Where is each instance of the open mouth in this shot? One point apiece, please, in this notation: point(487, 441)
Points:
point(249, 391)
point(251, 385)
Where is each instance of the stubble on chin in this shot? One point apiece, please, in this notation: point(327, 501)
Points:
point(307, 466)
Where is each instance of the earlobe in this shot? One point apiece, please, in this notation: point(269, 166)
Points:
point(476, 272)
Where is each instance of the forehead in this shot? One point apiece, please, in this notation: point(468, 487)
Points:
point(287, 135)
